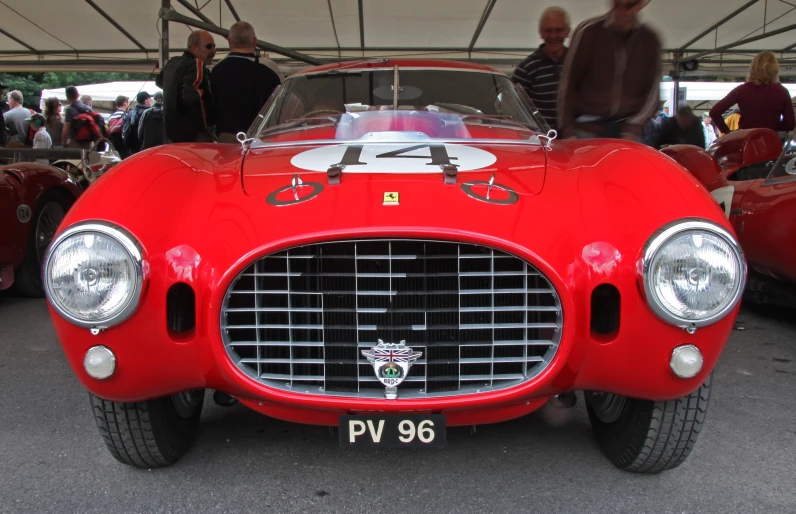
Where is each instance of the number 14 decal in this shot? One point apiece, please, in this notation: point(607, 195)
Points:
point(394, 157)
point(438, 155)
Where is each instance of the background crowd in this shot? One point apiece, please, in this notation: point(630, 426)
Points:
point(196, 105)
point(605, 84)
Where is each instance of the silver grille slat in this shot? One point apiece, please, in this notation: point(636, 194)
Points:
point(387, 275)
point(465, 291)
point(298, 319)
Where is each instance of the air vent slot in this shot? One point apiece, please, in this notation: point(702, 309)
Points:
point(605, 303)
point(181, 308)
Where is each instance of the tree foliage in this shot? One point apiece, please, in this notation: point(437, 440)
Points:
point(31, 84)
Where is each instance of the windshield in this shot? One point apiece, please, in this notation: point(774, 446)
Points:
point(786, 163)
point(428, 102)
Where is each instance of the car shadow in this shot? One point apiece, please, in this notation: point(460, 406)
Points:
point(777, 313)
point(550, 438)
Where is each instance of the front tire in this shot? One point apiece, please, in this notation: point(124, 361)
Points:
point(645, 436)
point(150, 434)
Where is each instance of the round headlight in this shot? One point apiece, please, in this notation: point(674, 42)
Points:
point(694, 273)
point(93, 275)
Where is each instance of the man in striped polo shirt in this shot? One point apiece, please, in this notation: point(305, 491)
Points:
point(539, 73)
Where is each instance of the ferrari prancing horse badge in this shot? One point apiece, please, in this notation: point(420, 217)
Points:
point(391, 198)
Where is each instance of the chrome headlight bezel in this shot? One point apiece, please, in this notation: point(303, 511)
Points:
point(134, 251)
point(664, 235)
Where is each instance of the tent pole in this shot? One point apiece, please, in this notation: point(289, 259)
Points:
point(163, 56)
point(172, 15)
point(163, 51)
point(719, 24)
point(744, 41)
point(115, 24)
point(676, 77)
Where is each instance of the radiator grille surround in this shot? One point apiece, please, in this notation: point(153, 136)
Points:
point(298, 319)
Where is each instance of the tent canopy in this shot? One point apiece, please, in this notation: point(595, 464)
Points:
point(109, 33)
point(104, 95)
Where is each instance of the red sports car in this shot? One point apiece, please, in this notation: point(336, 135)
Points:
point(395, 247)
point(753, 177)
point(33, 200)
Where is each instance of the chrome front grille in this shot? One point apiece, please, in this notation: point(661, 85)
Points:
point(298, 319)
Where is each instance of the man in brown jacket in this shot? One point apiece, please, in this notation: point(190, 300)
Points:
point(611, 77)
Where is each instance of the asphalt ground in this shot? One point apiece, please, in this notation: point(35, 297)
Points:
point(53, 460)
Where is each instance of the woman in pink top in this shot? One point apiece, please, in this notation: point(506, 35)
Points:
point(762, 100)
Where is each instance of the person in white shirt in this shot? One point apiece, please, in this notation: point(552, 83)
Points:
point(708, 129)
point(42, 138)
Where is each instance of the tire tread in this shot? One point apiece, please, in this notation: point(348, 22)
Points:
point(654, 436)
point(135, 437)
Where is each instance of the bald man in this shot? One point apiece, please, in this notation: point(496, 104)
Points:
point(241, 84)
point(188, 102)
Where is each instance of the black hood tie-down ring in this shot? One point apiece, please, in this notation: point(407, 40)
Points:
point(490, 192)
point(297, 192)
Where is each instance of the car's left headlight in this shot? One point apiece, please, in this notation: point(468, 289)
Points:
point(93, 274)
point(694, 273)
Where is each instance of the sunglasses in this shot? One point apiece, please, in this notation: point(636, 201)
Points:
point(210, 46)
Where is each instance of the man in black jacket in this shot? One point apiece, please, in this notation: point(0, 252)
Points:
point(132, 119)
point(3, 109)
point(188, 102)
point(3, 135)
point(150, 128)
point(241, 84)
point(683, 129)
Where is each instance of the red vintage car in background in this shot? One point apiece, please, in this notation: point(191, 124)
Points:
point(397, 246)
point(34, 198)
point(753, 177)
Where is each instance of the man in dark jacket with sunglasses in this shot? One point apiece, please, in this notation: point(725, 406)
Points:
point(188, 102)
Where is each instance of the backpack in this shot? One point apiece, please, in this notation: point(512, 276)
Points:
point(89, 126)
point(115, 124)
point(152, 128)
point(130, 129)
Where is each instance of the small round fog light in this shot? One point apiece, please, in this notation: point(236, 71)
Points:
point(686, 361)
point(99, 362)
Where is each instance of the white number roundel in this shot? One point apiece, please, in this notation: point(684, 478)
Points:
point(394, 158)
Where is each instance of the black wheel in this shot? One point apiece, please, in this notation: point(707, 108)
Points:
point(149, 434)
point(49, 214)
point(645, 436)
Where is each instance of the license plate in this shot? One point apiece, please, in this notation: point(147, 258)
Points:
point(393, 431)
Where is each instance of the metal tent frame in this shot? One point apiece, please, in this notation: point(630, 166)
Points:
point(717, 58)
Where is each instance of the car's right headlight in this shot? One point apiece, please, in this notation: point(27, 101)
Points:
point(694, 273)
point(93, 274)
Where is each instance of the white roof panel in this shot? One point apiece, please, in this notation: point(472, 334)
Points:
point(421, 23)
point(419, 26)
